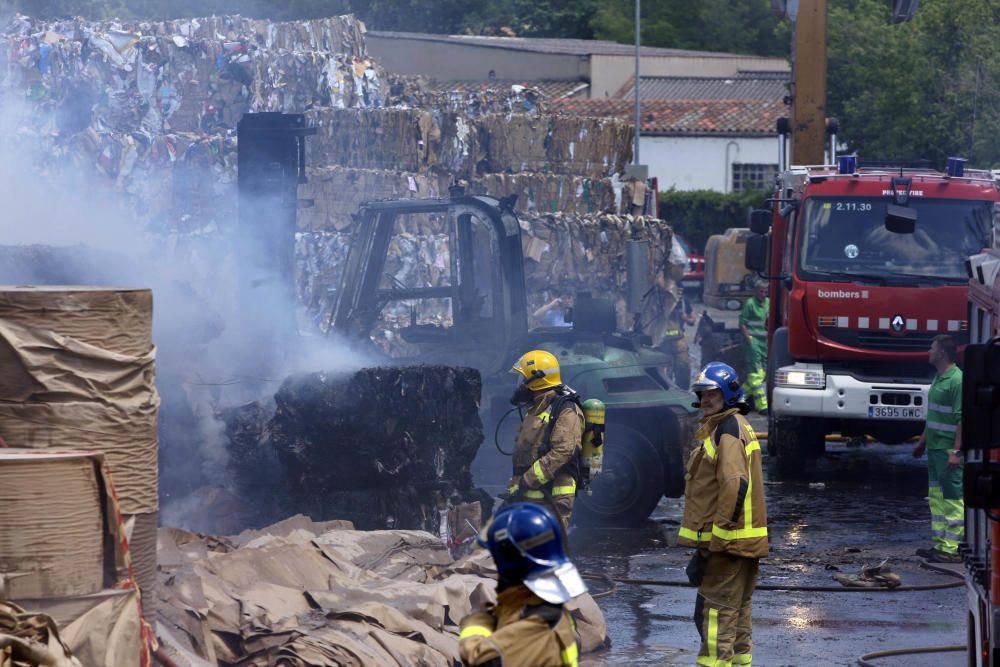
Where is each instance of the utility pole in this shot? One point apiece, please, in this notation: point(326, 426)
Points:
point(637, 170)
point(638, 116)
point(809, 83)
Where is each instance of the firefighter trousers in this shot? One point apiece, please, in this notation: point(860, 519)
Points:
point(722, 610)
point(945, 497)
point(561, 505)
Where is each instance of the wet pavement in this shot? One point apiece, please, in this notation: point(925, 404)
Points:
point(856, 507)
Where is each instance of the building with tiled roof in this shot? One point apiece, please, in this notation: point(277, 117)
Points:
point(605, 66)
point(709, 144)
point(743, 86)
point(552, 89)
point(688, 117)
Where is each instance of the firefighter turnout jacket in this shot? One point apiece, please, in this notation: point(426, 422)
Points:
point(521, 630)
point(557, 468)
point(724, 507)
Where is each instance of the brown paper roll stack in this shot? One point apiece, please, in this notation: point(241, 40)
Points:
point(77, 372)
point(51, 525)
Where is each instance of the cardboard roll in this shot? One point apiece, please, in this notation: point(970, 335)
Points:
point(52, 527)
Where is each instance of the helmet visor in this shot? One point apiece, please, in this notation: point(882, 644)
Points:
point(558, 585)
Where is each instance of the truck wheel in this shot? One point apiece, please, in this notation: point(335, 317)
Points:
point(794, 440)
point(627, 491)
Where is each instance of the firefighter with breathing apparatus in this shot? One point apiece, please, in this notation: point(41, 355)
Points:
point(556, 448)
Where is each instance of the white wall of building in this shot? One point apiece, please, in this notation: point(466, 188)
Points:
point(700, 162)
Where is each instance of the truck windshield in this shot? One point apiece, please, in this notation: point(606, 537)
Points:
point(843, 239)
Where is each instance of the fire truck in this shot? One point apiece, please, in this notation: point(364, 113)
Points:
point(981, 442)
point(865, 266)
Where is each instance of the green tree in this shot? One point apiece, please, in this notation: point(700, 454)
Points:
point(747, 26)
point(698, 214)
point(923, 89)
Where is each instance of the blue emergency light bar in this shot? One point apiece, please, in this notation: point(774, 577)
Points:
point(848, 164)
point(956, 166)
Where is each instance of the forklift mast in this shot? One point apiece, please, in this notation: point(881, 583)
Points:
point(271, 165)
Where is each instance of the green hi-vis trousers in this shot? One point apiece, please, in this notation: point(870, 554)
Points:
point(756, 383)
point(945, 495)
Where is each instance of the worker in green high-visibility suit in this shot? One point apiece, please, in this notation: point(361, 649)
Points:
point(753, 325)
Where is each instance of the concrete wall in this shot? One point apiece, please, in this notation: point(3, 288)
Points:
point(703, 163)
point(609, 73)
point(469, 62)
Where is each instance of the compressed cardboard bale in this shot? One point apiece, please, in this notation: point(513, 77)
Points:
point(593, 147)
point(51, 525)
point(383, 447)
point(384, 139)
point(186, 75)
point(551, 193)
point(465, 98)
point(338, 192)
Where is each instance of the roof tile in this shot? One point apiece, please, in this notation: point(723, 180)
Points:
point(687, 116)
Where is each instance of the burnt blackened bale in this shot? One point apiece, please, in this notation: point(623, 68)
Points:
point(383, 447)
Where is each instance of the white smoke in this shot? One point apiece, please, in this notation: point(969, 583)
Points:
point(53, 194)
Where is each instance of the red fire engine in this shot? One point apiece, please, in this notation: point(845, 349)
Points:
point(865, 267)
point(981, 440)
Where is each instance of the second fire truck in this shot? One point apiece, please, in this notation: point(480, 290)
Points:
point(866, 265)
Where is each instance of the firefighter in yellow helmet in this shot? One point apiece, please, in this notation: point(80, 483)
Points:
point(546, 458)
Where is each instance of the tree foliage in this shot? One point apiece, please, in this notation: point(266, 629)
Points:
point(747, 26)
point(923, 89)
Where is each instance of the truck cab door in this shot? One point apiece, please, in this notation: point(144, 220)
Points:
point(429, 281)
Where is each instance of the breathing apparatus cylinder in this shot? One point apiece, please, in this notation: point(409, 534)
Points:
point(593, 441)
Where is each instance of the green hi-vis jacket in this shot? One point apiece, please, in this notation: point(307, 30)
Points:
point(521, 630)
point(724, 506)
point(944, 409)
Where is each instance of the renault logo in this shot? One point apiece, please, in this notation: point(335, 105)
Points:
point(897, 322)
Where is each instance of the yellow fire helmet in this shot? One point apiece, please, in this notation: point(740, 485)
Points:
point(540, 370)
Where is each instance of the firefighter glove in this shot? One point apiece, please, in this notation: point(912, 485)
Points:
point(695, 569)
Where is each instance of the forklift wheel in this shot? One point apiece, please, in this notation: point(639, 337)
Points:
point(625, 494)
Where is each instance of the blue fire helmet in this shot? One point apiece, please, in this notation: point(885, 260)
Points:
point(526, 543)
point(718, 375)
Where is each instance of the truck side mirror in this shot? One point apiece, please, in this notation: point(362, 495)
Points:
point(759, 221)
point(758, 246)
point(900, 219)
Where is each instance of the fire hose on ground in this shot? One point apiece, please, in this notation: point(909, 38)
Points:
point(863, 661)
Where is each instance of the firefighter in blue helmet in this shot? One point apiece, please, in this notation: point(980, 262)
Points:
point(528, 626)
point(725, 518)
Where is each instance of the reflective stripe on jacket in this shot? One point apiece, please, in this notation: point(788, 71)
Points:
point(724, 507)
point(521, 630)
point(555, 468)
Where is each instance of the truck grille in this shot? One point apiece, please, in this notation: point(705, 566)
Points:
point(911, 341)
